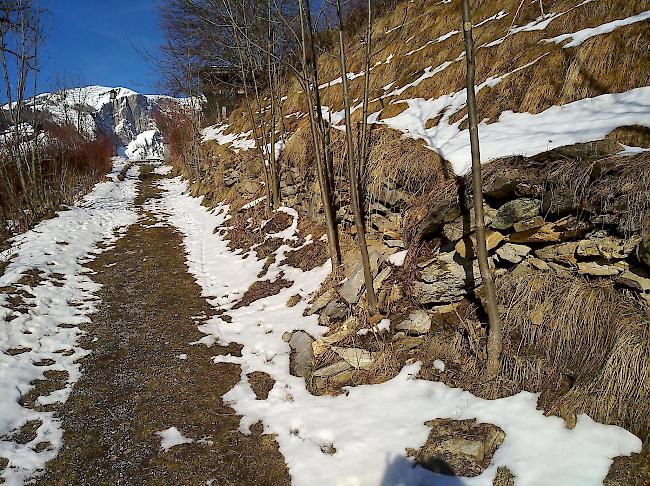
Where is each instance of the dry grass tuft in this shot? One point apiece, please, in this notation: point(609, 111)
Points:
point(403, 162)
point(590, 339)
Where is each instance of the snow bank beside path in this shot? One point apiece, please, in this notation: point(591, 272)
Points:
point(370, 426)
point(44, 330)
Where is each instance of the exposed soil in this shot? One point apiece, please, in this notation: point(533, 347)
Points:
point(134, 385)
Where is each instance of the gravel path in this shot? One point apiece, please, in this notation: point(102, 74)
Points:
point(134, 383)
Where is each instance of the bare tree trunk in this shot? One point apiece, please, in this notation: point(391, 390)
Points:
point(352, 173)
point(326, 197)
point(494, 337)
point(363, 150)
point(275, 176)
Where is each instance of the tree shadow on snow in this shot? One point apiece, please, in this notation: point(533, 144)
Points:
point(401, 471)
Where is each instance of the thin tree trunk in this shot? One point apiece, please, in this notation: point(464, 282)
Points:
point(330, 217)
point(363, 150)
point(494, 337)
point(352, 173)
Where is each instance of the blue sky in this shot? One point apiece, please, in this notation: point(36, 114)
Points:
point(91, 42)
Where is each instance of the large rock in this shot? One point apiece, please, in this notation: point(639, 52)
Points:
point(444, 280)
point(351, 289)
point(417, 322)
point(514, 211)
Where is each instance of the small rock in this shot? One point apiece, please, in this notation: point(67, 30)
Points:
point(466, 246)
point(637, 279)
point(513, 253)
point(356, 357)
point(529, 224)
point(302, 354)
point(335, 374)
point(417, 322)
point(562, 253)
point(515, 211)
point(598, 270)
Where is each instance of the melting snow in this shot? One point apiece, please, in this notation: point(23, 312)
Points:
point(56, 249)
point(579, 37)
point(369, 427)
point(171, 437)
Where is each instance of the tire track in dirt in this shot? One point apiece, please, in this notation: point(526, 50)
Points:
point(134, 385)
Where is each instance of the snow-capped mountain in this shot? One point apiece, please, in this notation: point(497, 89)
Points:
point(124, 114)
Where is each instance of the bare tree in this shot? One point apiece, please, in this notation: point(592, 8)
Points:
point(494, 337)
point(352, 174)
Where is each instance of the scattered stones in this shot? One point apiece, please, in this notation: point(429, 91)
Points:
point(514, 211)
point(513, 253)
point(418, 322)
point(356, 357)
point(466, 246)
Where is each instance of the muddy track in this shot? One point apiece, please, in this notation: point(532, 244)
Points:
point(134, 385)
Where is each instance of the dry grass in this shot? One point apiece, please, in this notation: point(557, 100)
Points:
point(405, 163)
point(560, 327)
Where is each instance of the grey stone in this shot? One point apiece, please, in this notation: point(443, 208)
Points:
point(417, 322)
point(302, 354)
point(515, 211)
point(513, 253)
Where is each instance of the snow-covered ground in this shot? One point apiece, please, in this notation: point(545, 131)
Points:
point(44, 335)
point(369, 427)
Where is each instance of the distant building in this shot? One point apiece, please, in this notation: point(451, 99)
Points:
point(222, 87)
